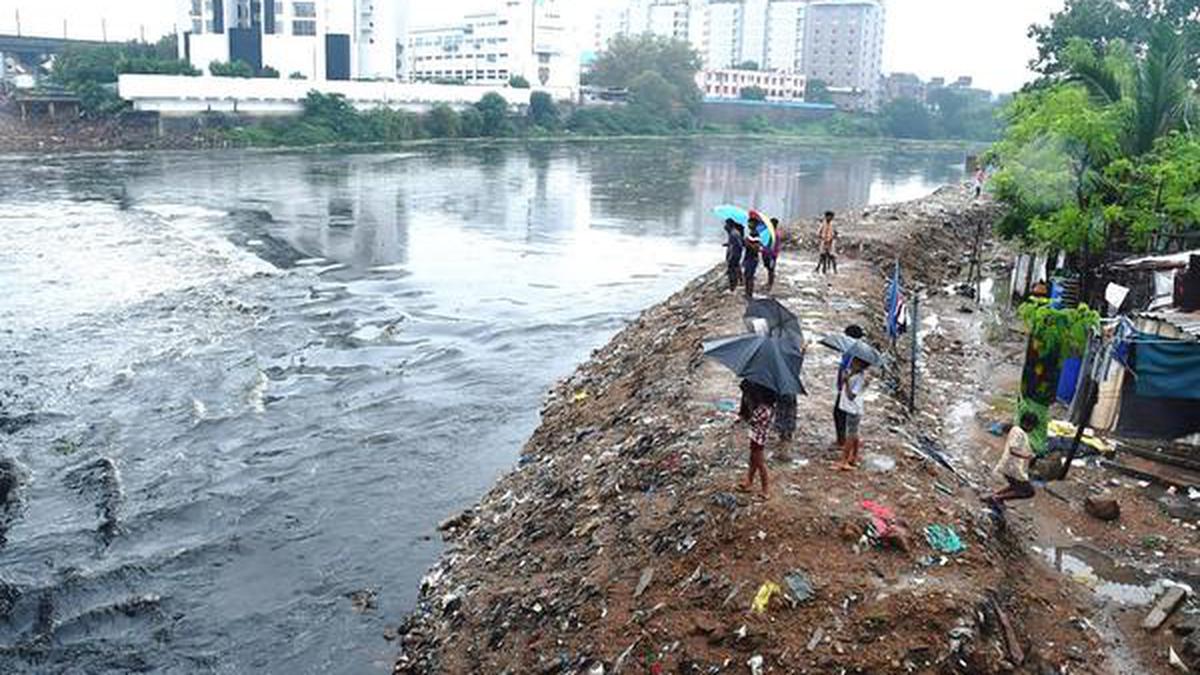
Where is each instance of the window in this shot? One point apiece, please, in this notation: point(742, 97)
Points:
point(307, 10)
point(304, 28)
point(197, 26)
point(196, 7)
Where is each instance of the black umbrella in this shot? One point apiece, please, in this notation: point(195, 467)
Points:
point(854, 348)
point(773, 362)
point(780, 320)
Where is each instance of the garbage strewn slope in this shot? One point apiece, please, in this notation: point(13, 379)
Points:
point(620, 545)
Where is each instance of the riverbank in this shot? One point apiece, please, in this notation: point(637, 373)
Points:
point(620, 544)
point(115, 134)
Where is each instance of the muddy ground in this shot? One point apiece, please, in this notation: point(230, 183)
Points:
point(620, 544)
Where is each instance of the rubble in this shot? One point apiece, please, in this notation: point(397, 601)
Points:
point(642, 554)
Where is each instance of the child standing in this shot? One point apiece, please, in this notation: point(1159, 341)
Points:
point(761, 409)
point(853, 388)
point(827, 238)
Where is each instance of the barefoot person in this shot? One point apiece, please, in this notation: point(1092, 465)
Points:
point(853, 389)
point(1014, 464)
point(827, 240)
point(761, 408)
point(750, 261)
point(771, 255)
point(839, 415)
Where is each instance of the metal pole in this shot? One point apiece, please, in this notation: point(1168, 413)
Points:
point(103, 30)
point(64, 29)
point(18, 23)
point(913, 331)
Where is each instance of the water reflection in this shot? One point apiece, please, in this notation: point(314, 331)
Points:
point(291, 366)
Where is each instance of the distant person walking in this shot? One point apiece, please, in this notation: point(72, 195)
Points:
point(758, 414)
point(854, 389)
point(734, 249)
point(980, 177)
point(827, 240)
point(1014, 464)
point(839, 415)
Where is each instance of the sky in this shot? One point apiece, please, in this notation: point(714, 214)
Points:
point(985, 39)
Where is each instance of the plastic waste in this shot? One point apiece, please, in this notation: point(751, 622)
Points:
point(944, 539)
point(763, 597)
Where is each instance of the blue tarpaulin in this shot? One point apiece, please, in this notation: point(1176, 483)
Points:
point(1167, 368)
point(1068, 379)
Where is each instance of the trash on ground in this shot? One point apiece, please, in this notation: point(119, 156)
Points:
point(799, 587)
point(763, 597)
point(943, 539)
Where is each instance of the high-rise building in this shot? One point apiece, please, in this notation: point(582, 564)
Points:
point(526, 38)
point(843, 47)
point(316, 39)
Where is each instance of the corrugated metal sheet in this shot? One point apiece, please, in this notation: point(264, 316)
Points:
point(1186, 323)
point(1157, 262)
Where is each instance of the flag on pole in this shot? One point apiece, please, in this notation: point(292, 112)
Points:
point(896, 306)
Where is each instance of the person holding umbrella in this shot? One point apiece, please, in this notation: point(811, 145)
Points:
point(839, 416)
point(761, 404)
point(769, 366)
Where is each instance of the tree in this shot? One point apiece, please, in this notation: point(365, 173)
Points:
point(817, 91)
point(543, 111)
point(442, 122)
point(494, 110)
point(629, 58)
point(1099, 23)
point(1154, 88)
point(234, 69)
point(907, 118)
point(90, 71)
point(334, 112)
point(652, 93)
point(747, 65)
point(518, 82)
point(753, 94)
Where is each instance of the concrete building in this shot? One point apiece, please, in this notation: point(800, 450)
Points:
point(527, 38)
point(316, 39)
point(843, 47)
point(729, 83)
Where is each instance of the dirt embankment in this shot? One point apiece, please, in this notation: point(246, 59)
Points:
point(122, 132)
point(620, 545)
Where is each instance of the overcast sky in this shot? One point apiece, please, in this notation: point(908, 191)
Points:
point(982, 38)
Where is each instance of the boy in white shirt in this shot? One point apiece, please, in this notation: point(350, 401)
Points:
point(854, 387)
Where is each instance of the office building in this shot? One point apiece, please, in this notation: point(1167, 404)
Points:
point(843, 47)
point(313, 39)
point(727, 83)
point(526, 38)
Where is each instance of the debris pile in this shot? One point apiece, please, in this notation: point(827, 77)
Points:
point(620, 545)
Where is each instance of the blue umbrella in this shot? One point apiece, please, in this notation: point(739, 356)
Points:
point(735, 213)
point(773, 362)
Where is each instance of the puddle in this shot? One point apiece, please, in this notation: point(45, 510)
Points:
point(1107, 579)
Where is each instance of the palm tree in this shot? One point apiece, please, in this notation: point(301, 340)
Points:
point(1154, 87)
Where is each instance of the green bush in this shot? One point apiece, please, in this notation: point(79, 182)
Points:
point(441, 122)
point(268, 72)
point(234, 69)
point(518, 82)
point(543, 111)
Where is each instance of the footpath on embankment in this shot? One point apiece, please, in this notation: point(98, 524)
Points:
point(619, 543)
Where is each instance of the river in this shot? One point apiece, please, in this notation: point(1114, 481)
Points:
point(239, 387)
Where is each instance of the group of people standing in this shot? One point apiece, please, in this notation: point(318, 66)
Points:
point(744, 250)
point(762, 408)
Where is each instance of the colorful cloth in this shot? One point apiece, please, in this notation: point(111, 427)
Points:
point(760, 424)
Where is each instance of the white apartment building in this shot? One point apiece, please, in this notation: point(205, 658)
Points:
point(843, 47)
point(318, 39)
point(729, 83)
point(837, 41)
point(527, 38)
